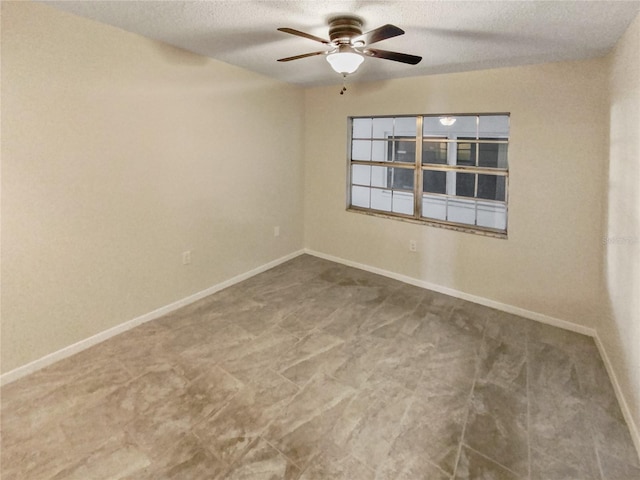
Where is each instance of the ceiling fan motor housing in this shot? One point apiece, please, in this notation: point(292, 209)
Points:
point(343, 29)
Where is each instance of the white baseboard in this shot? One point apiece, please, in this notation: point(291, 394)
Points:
point(556, 322)
point(539, 317)
point(77, 347)
point(624, 406)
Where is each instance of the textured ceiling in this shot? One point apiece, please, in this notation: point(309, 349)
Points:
point(451, 36)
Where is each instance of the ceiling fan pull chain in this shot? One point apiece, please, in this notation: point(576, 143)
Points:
point(344, 86)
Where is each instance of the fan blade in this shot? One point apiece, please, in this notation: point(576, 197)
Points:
point(304, 55)
point(304, 35)
point(378, 34)
point(395, 56)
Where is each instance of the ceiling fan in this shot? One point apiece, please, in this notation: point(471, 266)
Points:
point(347, 45)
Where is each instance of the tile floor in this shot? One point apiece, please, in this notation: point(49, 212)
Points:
point(313, 370)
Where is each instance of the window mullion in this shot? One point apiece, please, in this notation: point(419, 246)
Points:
point(417, 183)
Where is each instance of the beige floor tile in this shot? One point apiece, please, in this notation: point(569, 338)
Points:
point(314, 370)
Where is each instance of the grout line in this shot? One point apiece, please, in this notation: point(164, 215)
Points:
point(527, 370)
point(464, 428)
point(288, 380)
point(261, 437)
point(470, 400)
point(600, 471)
point(205, 445)
point(492, 460)
point(592, 430)
point(310, 355)
point(439, 468)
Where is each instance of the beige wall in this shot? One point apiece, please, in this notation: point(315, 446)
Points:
point(620, 330)
point(118, 154)
point(552, 261)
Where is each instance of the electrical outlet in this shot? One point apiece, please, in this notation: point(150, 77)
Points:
point(413, 247)
point(276, 231)
point(186, 257)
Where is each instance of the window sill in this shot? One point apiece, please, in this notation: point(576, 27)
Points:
point(458, 227)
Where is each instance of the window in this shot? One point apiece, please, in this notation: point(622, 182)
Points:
point(440, 170)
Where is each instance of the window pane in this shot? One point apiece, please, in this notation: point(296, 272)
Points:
point(434, 207)
point(492, 215)
point(361, 150)
point(434, 152)
point(403, 202)
point(494, 126)
point(434, 182)
point(466, 126)
point(405, 127)
point(360, 196)
point(361, 174)
point(379, 177)
point(405, 151)
point(382, 127)
point(361, 128)
point(465, 184)
point(466, 154)
point(380, 151)
point(491, 187)
point(381, 199)
point(488, 155)
point(432, 127)
point(461, 126)
point(400, 178)
point(461, 211)
point(492, 155)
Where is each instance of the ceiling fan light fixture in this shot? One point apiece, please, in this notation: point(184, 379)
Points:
point(345, 62)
